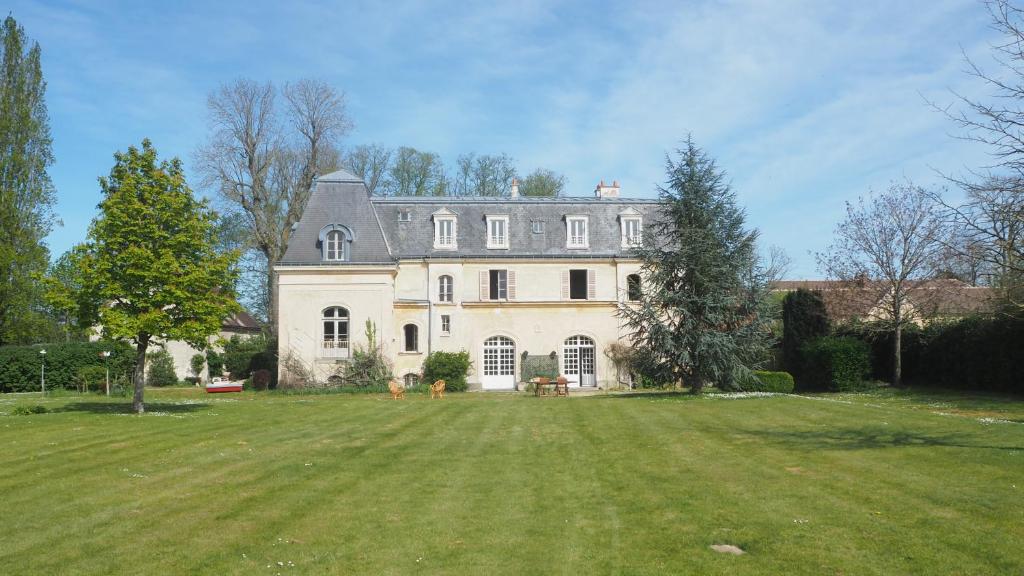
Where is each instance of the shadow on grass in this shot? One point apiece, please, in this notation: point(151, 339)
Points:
point(868, 439)
point(676, 394)
point(126, 407)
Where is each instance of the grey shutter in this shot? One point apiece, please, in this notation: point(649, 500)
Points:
point(565, 284)
point(511, 284)
point(485, 286)
point(591, 284)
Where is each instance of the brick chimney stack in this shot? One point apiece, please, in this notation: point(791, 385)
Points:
point(605, 191)
point(515, 188)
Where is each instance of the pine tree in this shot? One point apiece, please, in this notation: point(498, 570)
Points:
point(702, 312)
point(150, 270)
point(803, 318)
point(26, 192)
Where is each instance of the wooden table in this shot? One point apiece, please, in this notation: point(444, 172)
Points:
point(540, 383)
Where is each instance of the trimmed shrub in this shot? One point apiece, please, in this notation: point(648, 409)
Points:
point(451, 367)
point(880, 343)
point(974, 354)
point(161, 369)
point(766, 381)
point(214, 363)
point(835, 364)
point(804, 318)
point(20, 365)
point(196, 364)
point(239, 353)
point(91, 378)
point(260, 379)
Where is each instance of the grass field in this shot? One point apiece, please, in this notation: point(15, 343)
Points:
point(886, 483)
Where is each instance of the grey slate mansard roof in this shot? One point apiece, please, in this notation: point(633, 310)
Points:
point(341, 198)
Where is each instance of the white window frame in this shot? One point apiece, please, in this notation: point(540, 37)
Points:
point(405, 339)
point(446, 325)
point(334, 246)
point(577, 240)
point(446, 241)
point(537, 226)
point(446, 296)
point(499, 242)
point(637, 239)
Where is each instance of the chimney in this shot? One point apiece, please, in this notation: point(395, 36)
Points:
point(515, 188)
point(605, 191)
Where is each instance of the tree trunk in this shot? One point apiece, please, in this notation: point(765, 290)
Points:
point(140, 374)
point(897, 356)
point(696, 384)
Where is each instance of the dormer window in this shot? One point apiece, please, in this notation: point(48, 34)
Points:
point(497, 232)
point(445, 231)
point(576, 232)
point(404, 215)
point(632, 228)
point(335, 243)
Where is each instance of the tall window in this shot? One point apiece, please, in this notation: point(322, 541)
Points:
point(576, 232)
point(335, 243)
point(578, 284)
point(498, 284)
point(335, 341)
point(631, 232)
point(446, 324)
point(412, 338)
point(633, 292)
point(444, 232)
point(497, 231)
point(445, 288)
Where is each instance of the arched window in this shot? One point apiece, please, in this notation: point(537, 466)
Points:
point(412, 338)
point(411, 380)
point(633, 292)
point(335, 243)
point(445, 288)
point(335, 343)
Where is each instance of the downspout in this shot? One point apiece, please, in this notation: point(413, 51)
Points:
point(430, 313)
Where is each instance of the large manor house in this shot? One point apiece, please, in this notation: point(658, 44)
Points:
point(496, 277)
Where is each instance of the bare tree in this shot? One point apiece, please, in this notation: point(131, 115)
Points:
point(483, 175)
point(371, 163)
point(776, 264)
point(263, 161)
point(885, 251)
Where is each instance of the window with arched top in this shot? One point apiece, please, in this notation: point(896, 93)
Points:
point(411, 380)
point(335, 243)
point(633, 291)
point(445, 288)
point(335, 338)
point(412, 337)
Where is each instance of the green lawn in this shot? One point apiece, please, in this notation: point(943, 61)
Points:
point(884, 483)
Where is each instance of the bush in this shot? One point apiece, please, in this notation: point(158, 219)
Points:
point(835, 364)
point(214, 363)
point(804, 318)
point(20, 365)
point(26, 410)
point(260, 379)
point(239, 353)
point(368, 366)
point(196, 364)
point(974, 354)
point(91, 378)
point(161, 369)
point(765, 381)
point(451, 367)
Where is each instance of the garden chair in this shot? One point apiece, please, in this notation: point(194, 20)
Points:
point(538, 385)
point(561, 386)
point(396, 389)
point(438, 389)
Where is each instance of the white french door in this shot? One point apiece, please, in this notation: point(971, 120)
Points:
point(499, 364)
point(579, 361)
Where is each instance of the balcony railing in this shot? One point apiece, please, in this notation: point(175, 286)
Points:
point(334, 349)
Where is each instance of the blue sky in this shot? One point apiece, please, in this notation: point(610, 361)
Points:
point(804, 104)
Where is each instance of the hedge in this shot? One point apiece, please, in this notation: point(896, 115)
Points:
point(20, 365)
point(451, 367)
point(974, 354)
point(880, 342)
point(766, 381)
point(160, 369)
point(835, 364)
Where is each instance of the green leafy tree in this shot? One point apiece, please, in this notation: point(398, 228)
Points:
point(150, 268)
point(542, 182)
point(26, 192)
point(804, 318)
point(702, 314)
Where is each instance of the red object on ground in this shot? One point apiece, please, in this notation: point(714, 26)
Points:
point(216, 387)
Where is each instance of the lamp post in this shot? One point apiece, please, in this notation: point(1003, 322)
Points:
point(106, 354)
point(42, 371)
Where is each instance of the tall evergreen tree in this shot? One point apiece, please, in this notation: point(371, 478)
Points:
point(803, 318)
point(702, 313)
point(150, 270)
point(26, 192)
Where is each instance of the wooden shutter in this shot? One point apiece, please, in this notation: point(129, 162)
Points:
point(511, 284)
point(485, 285)
point(565, 284)
point(591, 284)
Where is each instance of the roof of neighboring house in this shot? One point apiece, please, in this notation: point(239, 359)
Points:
point(939, 297)
point(341, 198)
point(240, 322)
